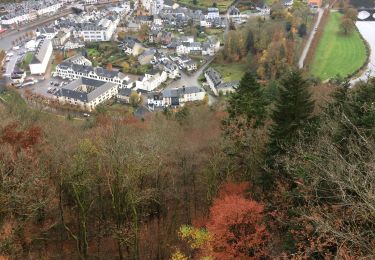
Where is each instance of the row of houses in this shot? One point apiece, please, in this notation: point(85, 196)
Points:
point(29, 10)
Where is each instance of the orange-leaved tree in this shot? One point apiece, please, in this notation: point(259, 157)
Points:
point(236, 226)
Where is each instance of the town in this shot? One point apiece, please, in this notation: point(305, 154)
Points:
point(187, 129)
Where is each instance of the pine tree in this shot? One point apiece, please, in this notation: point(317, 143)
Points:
point(292, 113)
point(249, 101)
point(244, 127)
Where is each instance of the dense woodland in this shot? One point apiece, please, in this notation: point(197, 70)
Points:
point(259, 178)
point(281, 169)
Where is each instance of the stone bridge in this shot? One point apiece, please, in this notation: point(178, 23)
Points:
point(366, 14)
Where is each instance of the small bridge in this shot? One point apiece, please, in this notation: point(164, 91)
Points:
point(366, 14)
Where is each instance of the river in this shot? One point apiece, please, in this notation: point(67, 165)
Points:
point(367, 30)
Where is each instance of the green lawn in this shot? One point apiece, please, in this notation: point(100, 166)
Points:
point(229, 72)
point(337, 54)
point(28, 58)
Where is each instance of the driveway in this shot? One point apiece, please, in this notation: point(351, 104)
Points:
point(367, 30)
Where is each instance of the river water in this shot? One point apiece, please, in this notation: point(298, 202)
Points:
point(367, 29)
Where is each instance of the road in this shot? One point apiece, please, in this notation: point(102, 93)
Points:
point(6, 39)
point(311, 37)
point(192, 79)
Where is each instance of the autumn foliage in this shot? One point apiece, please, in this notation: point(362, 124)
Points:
point(236, 224)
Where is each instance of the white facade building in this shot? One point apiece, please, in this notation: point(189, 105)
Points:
point(41, 57)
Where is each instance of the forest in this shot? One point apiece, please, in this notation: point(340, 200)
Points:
point(254, 177)
point(283, 168)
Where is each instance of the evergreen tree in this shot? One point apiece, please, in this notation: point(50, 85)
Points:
point(249, 101)
point(244, 127)
point(292, 112)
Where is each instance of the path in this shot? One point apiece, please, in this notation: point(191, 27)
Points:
point(311, 38)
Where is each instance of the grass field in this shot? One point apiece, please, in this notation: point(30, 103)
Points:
point(203, 4)
point(230, 72)
point(337, 54)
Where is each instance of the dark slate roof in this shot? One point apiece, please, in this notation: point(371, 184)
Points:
point(40, 51)
point(177, 92)
point(214, 76)
point(95, 89)
point(230, 84)
point(125, 92)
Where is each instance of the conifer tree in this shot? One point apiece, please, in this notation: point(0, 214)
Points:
point(292, 113)
point(249, 101)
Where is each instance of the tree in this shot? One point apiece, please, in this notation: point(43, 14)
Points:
point(195, 2)
point(135, 99)
point(143, 31)
point(351, 13)
point(244, 126)
point(292, 111)
point(121, 35)
point(236, 225)
point(58, 58)
point(249, 101)
point(302, 30)
point(346, 25)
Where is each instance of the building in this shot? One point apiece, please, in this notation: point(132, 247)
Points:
point(132, 46)
point(79, 60)
point(151, 80)
point(217, 85)
point(146, 56)
point(47, 32)
point(87, 93)
point(59, 40)
point(41, 57)
point(212, 13)
point(175, 97)
point(213, 79)
point(226, 88)
point(69, 70)
point(315, 3)
point(123, 95)
point(101, 30)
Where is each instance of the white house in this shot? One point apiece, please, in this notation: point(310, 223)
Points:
point(151, 80)
point(41, 57)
